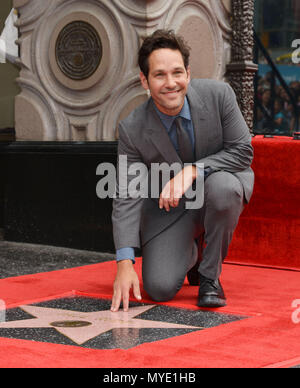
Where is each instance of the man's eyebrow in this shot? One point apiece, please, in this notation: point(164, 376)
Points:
point(158, 71)
point(163, 71)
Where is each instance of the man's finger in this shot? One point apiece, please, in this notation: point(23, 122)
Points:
point(166, 205)
point(116, 301)
point(175, 202)
point(161, 202)
point(125, 300)
point(137, 291)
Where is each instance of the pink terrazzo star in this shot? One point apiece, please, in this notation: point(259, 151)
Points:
point(88, 325)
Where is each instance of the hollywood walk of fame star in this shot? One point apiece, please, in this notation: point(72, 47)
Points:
point(80, 327)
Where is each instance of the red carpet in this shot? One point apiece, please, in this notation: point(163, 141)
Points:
point(267, 236)
point(269, 229)
point(268, 338)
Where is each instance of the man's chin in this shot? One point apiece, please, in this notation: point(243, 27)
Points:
point(173, 106)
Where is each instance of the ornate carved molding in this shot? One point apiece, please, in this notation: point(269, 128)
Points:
point(144, 10)
point(197, 22)
point(223, 14)
point(241, 70)
point(90, 106)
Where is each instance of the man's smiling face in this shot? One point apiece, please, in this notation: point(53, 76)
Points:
point(167, 81)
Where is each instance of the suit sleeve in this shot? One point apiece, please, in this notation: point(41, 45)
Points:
point(126, 213)
point(237, 153)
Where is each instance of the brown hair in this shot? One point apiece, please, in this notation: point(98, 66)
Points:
point(158, 40)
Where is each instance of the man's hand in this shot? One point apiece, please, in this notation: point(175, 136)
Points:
point(177, 187)
point(125, 280)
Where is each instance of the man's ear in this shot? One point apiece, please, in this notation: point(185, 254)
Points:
point(144, 81)
point(188, 71)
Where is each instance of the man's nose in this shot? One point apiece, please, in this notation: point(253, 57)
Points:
point(170, 82)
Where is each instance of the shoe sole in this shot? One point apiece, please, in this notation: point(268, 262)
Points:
point(212, 302)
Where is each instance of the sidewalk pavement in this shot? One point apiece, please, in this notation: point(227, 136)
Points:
point(17, 259)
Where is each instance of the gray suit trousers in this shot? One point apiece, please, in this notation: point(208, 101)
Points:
point(172, 253)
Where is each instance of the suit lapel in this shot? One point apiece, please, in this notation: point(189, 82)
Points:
point(200, 118)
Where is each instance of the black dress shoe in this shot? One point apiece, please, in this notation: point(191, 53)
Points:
point(211, 293)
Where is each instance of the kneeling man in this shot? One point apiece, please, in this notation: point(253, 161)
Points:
point(196, 123)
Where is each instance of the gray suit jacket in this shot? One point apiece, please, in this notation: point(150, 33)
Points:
point(222, 142)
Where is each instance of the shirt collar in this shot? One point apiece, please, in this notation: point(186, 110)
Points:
point(168, 120)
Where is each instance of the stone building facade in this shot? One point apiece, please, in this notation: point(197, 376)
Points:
point(79, 74)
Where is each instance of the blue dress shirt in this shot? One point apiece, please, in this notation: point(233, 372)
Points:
point(169, 124)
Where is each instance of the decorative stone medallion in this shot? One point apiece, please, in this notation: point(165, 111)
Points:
point(78, 50)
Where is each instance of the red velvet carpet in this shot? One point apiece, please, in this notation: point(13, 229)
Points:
point(269, 229)
point(268, 338)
